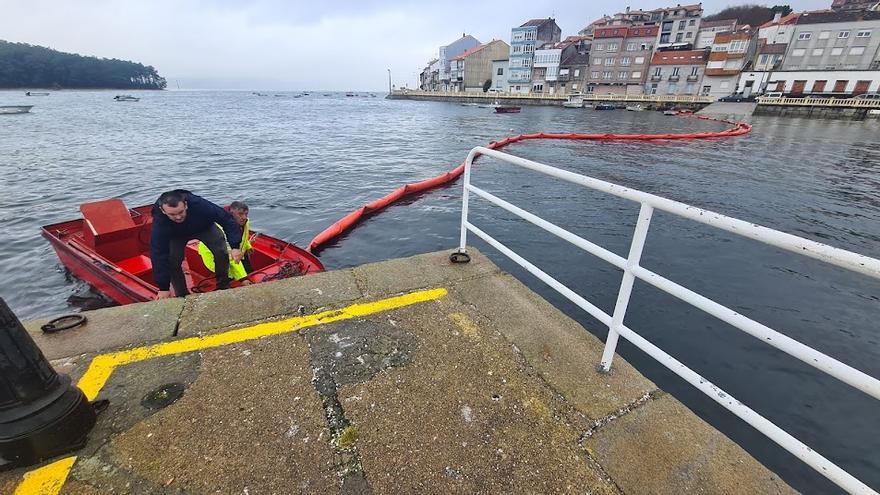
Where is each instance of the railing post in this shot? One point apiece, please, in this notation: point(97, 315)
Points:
point(626, 285)
point(462, 245)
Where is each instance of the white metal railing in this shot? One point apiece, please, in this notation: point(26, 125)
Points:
point(557, 96)
point(819, 102)
point(632, 270)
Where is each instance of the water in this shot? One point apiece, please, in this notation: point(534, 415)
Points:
point(302, 163)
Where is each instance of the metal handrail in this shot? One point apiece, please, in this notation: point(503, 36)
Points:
point(558, 96)
point(632, 270)
point(819, 102)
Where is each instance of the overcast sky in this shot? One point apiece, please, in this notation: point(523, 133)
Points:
point(289, 45)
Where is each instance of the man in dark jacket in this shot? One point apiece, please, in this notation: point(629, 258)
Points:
point(179, 216)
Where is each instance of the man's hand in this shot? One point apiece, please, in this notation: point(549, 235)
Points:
point(236, 255)
point(163, 294)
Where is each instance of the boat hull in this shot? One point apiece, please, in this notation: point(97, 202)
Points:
point(15, 109)
point(507, 109)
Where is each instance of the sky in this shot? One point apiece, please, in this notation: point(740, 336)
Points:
point(290, 45)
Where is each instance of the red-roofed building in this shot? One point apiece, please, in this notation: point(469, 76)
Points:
point(731, 53)
point(677, 72)
point(677, 26)
point(471, 69)
point(779, 30)
point(619, 59)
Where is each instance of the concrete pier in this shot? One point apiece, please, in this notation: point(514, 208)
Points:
point(412, 375)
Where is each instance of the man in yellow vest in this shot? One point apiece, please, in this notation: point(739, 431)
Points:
point(237, 270)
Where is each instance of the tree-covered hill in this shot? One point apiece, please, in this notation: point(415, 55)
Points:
point(29, 66)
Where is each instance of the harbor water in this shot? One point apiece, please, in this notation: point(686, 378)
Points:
point(301, 163)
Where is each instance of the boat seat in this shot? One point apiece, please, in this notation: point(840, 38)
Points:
point(136, 265)
point(110, 230)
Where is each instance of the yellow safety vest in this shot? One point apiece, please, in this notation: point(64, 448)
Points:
point(236, 268)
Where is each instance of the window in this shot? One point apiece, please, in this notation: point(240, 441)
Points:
point(737, 46)
point(599, 46)
point(631, 47)
point(691, 22)
point(527, 62)
point(644, 46)
point(689, 89)
point(639, 60)
point(679, 37)
point(837, 51)
point(538, 88)
point(577, 73)
point(607, 74)
point(612, 47)
point(625, 60)
point(824, 35)
point(694, 71)
point(500, 71)
point(689, 34)
point(609, 61)
point(857, 50)
point(719, 48)
point(798, 52)
point(658, 71)
point(843, 35)
point(528, 48)
point(817, 52)
point(637, 74)
point(804, 36)
point(597, 61)
point(764, 59)
point(624, 74)
point(574, 87)
point(671, 88)
point(865, 33)
point(594, 75)
point(516, 49)
point(675, 71)
point(682, 24)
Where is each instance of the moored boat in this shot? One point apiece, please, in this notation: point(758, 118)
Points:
point(35, 93)
point(14, 109)
point(604, 106)
point(574, 101)
point(126, 98)
point(507, 109)
point(670, 112)
point(634, 108)
point(109, 248)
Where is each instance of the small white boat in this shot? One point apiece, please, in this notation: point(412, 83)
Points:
point(634, 108)
point(574, 101)
point(125, 98)
point(670, 112)
point(14, 109)
point(34, 93)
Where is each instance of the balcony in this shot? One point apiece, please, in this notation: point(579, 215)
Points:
point(656, 77)
point(693, 78)
point(673, 77)
point(563, 77)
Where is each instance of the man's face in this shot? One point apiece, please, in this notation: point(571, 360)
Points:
point(177, 213)
point(240, 216)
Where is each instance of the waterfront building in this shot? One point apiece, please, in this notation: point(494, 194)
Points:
point(429, 77)
point(547, 64)
point(457, 47)
point(678, 72)
point(574, 67)
point(523, 42)
point(708, 30)
point(730, 54)
point(826, 40)
point(678, 26)
point(470, 70)
point(499, 75)
point(778, 30)
point(619, 59)
point(824, 83)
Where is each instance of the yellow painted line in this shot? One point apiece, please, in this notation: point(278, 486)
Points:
point(102, 366)
point(46, 480)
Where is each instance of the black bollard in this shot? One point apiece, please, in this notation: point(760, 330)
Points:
point(41, 414)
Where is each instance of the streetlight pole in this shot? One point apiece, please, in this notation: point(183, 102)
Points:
point(389, 81)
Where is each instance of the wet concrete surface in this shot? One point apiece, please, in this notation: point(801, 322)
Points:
point(488, 389)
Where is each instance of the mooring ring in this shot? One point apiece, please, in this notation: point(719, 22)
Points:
point(58, 324)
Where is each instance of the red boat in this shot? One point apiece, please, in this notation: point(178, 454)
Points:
point(507, 109)
point(110, 249)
